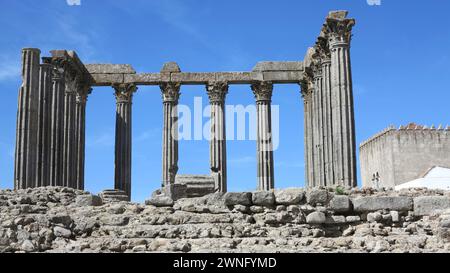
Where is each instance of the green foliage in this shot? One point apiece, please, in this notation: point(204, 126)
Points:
point(339, 190)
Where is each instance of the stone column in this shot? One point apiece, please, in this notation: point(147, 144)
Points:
point(263, 96)
point(27, 113)
point(44, 122)
point(80, 122)
point(170, 95)
point(318, 113)
point(328, 117)
point(124, 97)
point(56, 122)
point(338, 30)
point(69, 139)
point(307, 93)
point(217, 92)
point(306, 130)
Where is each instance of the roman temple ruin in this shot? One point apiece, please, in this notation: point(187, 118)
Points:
point(50, 147)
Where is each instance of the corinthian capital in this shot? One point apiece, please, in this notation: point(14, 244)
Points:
point(82, 93)
point(307, 83)
point(124, 92)
point(217, 91)
point(322, 50)
point(262, 91)
point(170, 91)
point(338, 30)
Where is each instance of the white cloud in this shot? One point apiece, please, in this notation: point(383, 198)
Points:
point(9, 68)
point(104, 140)
point(289, 164)
point(146, 135)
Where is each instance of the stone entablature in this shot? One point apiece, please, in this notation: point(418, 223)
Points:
point(396, 156)
point(324, 77)
point(277, 72)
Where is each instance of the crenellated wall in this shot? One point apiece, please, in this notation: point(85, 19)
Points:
point(404, 154)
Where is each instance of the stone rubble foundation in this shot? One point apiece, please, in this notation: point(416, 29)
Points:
point(56, 219)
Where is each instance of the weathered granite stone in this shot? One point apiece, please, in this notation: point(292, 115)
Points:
point(374, 217)
point(372, 203)
point(160, 201)
point(395, 216)
point(110, 68)
point(316, 218)
point(263, 198)
point(175, 191)
point(113, 196)
point(62, 232)
point(196, 185)
point(427, 205)
point(88, 200)
point(238, 198)
point(318, 196)
point(352, 219)
point(278, 66)
point(289, 196)
point(335, 219)
point(340, 203)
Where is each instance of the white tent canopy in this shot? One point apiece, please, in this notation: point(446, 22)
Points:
point(436, 178)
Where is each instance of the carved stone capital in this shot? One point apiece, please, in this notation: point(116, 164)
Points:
point(170, 91)
point(82, 94)
point(217, 92)
point(263, 91)
point(307, 84)
point(339, 31)
point(124, 92)
point(322, 50)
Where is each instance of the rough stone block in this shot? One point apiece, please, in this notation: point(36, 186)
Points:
point(278, 66)
point(374, 217)
point(289, 196)
point(316, 218)
point(238, 77)
point(88, 200)
point(160, 199)
point(395, 216)
point(107, 79)
point(143, 78)
point(374, 203)
point(114, 196)
point(192, 77)
point(427, 205)
point(335, 219)
point(340, 204)
point(237, 198)
point(352, 219)
point(175, 191)
point(283, 76)
point(318, 196)
point(263, 198)
point(197, 185)
point(110, 68)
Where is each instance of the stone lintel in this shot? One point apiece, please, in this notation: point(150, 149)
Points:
point(143, 78)
point(278, 66)
point(107, 79)
point(199, 78)
point(110, 69)
point(192, 78)
point(283, 76)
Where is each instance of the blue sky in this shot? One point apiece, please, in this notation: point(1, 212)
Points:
point(400, 55)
